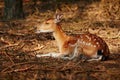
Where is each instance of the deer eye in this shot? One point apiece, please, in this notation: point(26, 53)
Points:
point(46, 23)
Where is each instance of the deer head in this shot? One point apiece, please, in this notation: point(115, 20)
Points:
point(50, 24)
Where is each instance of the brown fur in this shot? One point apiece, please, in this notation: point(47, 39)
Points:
point(87, 44)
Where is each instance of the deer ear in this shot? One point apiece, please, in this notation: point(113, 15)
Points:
point(58, 18)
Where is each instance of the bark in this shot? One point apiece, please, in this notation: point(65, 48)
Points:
point(13, 9)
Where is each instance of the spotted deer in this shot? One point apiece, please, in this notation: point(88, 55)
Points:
point(70, 47)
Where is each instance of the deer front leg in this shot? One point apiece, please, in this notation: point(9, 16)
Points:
point(55, 55)
point(73, 55)
point(52, 54)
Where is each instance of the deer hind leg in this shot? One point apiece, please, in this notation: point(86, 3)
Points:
point(86, 58)
point(97, 57)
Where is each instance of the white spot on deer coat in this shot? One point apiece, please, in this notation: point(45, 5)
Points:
point(88, 44)
point(94, 39)
point(102, 50)
point(94, 45)
point(97, 43)
point(83, 42)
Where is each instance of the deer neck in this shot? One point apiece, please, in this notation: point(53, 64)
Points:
point(60, 36)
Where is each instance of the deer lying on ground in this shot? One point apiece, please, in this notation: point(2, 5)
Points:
point(70, 47)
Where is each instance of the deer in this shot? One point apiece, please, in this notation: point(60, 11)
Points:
point(91, 46)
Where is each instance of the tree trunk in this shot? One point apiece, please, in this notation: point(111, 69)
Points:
point(13, 9)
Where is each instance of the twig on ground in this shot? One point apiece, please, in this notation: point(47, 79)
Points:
point(76, 72)
point(18, 64)
point(9, 57)
point(3, 41)
point(6, 53)
point(33, 51)
point(19, 70)
point(10, 45)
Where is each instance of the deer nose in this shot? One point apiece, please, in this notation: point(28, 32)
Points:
point(37, 31)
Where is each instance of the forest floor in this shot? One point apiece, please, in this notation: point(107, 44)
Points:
point(19, 44)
